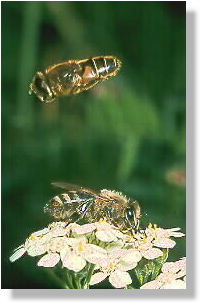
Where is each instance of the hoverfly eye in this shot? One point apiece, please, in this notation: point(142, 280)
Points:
point(39, 83)
point(41, 87)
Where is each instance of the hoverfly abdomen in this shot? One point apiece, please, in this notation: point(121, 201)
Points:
point(106, 66)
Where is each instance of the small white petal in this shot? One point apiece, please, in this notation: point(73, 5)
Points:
point(91, 248)
point(58, 231)
point(164, 243)
point(84, 229)
point(170, 267)
point(176, 284)
point(182, 262)
point(57, 224)
point(115, 245)
point(65, 253)
point(98, 277)
point(152, 253)
point(56, 244)
point(178, 268)
point(131, 256)
point(166, 277)
point(126, 267)
point(118, 234)
point(172, 232)
point(174, 229)
point(152, 285)
point(117, 253)
point(74, 262)
point(40, 232)
point(94, 254)
point(106, 236)
point(36, 250)
point(72, 226)
point(17, 254)
point(74, 242)
point(103, 225)
point(120, 279)
point(177, 234)
point(49, 260)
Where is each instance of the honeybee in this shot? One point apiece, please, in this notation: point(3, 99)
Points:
point(73, 77)
point(82, 203)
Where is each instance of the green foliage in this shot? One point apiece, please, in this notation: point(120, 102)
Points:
point(148, 270)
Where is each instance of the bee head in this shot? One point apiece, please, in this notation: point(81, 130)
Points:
point(41, 88)
point(55, 208)
point(132, 215)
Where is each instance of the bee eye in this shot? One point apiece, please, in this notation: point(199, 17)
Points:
point(130, 215)
point(56, 203)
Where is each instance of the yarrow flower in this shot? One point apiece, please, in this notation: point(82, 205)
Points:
point(97, 251)
point(149, 241)
point(116, 265)
point(61, 242)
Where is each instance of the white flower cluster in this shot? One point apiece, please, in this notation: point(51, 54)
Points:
point(149, 241)
point(173, 276)
point(112, 253)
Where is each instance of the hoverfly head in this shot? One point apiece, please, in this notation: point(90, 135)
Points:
point(41, 88)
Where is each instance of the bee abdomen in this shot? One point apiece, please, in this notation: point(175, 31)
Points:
point(105, 65)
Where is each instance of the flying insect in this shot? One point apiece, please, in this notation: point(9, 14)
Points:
point(73, 77)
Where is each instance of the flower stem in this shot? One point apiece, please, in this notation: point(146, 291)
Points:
point(69, 282)
point(75, 281)
point(56, 278)
point(88, 276)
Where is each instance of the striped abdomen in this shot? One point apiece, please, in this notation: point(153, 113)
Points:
point(102, 66)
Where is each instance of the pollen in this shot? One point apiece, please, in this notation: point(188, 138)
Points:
point(56, 203)
point(103, 220)
point(32, 237)
point(112, 266)
point(81, 246)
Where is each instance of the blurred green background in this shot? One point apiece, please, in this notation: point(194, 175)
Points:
point(126, 134)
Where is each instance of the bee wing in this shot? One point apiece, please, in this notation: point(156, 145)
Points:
point(74, 188)
point(80, 190)
point(77, 210)
point(72, 206)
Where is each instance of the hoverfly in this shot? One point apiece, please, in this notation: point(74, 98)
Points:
point(83, 203)
point(73, 77)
